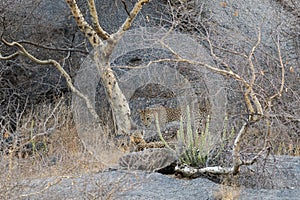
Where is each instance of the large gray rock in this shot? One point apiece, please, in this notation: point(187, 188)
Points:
point(144, 185)
point(149, 160)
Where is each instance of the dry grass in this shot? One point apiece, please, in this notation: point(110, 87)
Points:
point(229, 189)
point(288, 148)
point(227, 193)
point(47, 145)
point(63, 153)
point(282, 141)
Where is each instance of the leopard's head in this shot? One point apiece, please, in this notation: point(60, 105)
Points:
point(147, 117)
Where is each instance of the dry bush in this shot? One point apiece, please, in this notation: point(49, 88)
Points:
point(229, 31)
point(38, 136)
point(44, 144)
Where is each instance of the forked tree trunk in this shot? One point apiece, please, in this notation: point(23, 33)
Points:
point(103, 50)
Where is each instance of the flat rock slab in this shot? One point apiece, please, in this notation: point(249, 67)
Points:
point(113, 185)
point(121, 184)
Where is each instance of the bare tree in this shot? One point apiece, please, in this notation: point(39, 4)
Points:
point(257, 105)
point(103, 43)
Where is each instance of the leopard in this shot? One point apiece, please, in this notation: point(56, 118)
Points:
point(165, 115)
point(136, 142)
point(137, 138)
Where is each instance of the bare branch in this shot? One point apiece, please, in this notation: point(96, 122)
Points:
point(125, 7)
point(249, 93)
point(24, 52)
point(9, 57)
point(231, 51)
point(188, 171)
point(252, 68)
point(85, 27)
point(279, 93)
point(126, 25)
point(236, 149)
point(213, 69)
point(101, 57)
point(254, 159)
point(52, 48)
point(101, 33)
point(215, 56)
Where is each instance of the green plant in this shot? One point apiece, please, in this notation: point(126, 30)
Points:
point(193, 148)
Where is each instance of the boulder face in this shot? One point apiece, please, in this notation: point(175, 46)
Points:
point(51, 25)
point(48, 23)
point(43, 28)
point(157, 159)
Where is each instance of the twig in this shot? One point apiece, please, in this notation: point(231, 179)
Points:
point(136, 9)
point(279, 93)
point(99, 30)
point(125, 7)
point(22, 51)
point(52, 48)
point(9, 57)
